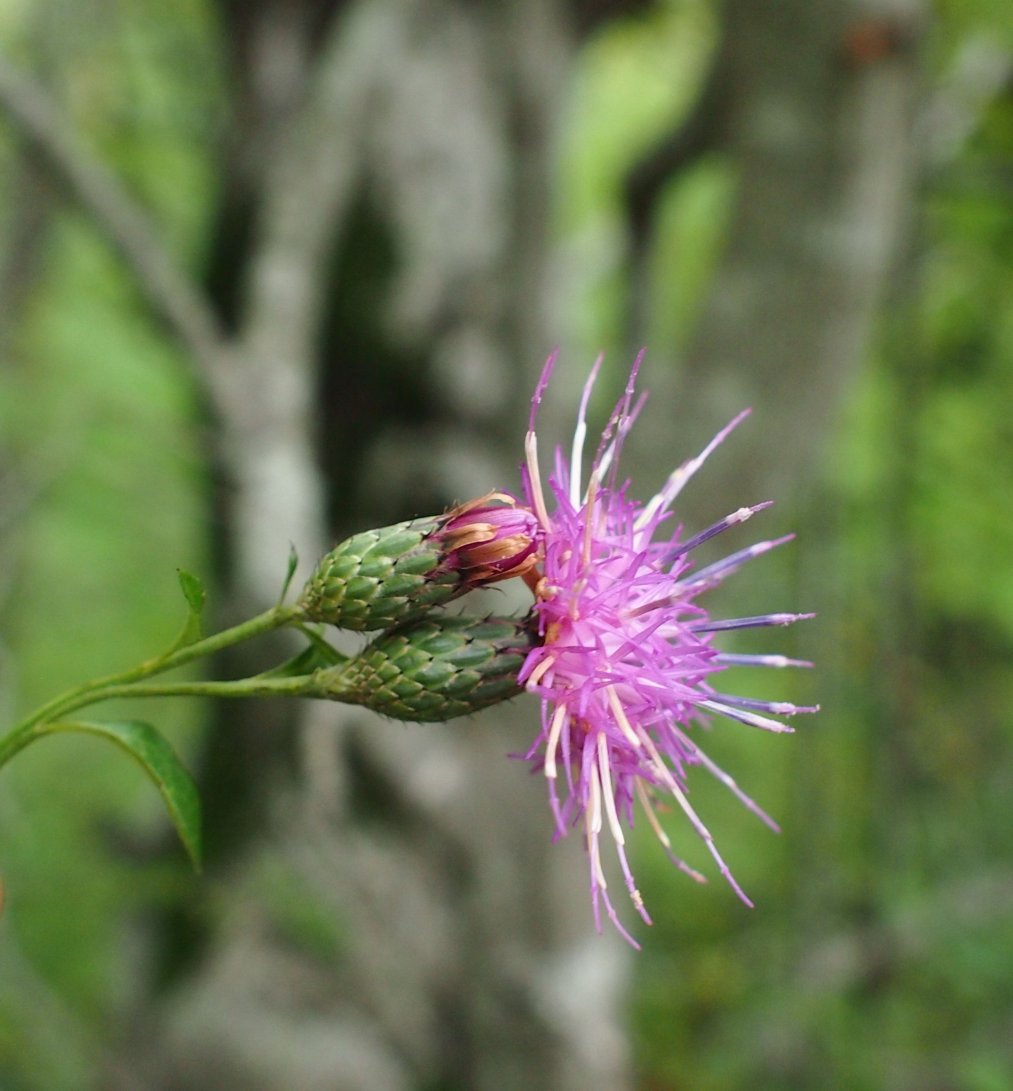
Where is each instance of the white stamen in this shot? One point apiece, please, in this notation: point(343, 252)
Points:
point(580, 434)
point(606, 786)
point(531, 454)
point(594, 803)
point(658, 766)
point(777, 661)
point(621, 718)
point(540, 670)
point(552, 743)
point(593, 829)
point(753, 719)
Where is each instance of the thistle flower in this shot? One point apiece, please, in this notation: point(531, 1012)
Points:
point(625, 660)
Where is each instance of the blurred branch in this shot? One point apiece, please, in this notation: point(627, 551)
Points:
point(22, 245)
point(310, 176)
point(647, 181)
point(818, 138)
point(312, 169)
point(170, 292)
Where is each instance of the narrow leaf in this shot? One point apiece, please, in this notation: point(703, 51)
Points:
point(196, 596)
point(293, 564)
point(317, 656)
point(193, 590)
point(151, 750)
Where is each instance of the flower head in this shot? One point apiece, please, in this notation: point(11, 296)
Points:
point(625, 658)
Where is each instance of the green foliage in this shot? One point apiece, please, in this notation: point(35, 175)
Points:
point(196, 597)
point(692, 223)
point(632, 83)
point(100, 447)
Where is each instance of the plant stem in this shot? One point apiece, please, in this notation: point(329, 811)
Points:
point(125, 683)
point(243, 687)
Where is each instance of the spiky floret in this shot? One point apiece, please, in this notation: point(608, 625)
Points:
point(625, 657)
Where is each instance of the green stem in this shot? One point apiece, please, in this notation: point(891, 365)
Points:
point(125, 683)
point(243, 687)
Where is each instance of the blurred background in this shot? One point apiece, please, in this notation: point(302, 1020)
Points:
point(272, 271)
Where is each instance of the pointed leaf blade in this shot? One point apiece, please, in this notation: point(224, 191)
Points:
point(293, 564)
point(196, 597)
point(193, 590)
point(314, 657)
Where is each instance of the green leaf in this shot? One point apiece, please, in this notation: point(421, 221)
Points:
point(151, 750)
point(317, 656)
point(293, 564)
point(193, 590)
point(196, 596)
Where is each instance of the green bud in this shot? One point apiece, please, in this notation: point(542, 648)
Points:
point(434, 669)
point(380, 578)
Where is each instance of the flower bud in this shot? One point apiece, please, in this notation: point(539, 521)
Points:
point(434, 669)
point(490, 539)
point(395, 574)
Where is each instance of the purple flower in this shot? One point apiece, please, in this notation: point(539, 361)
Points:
point(625, 661)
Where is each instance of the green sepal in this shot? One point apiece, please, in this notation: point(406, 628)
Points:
point(151, 750)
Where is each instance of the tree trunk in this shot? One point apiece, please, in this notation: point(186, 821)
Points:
point(812, 106)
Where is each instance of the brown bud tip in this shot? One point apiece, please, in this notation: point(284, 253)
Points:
point(489, 539)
